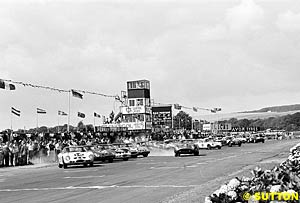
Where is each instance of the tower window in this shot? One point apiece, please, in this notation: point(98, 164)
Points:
point(131, 102)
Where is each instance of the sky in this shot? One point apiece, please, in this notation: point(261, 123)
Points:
point(234, 54)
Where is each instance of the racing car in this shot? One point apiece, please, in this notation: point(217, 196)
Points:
point(128, 147)
point(234, 141)
point(101, 154)
point(186, 147)
point(208, 143)
point(117, 153)
point(142, 149)
point(75, 155)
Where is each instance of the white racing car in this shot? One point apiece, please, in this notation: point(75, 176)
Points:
point(208, 143)
point(75, 155)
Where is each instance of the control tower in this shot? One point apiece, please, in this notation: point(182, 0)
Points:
point(136, 110)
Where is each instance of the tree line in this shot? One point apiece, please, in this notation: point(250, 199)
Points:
point(288, 122)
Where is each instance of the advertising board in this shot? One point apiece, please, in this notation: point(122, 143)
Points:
point(135, 109)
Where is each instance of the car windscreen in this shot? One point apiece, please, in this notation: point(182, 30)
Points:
point(76, 149)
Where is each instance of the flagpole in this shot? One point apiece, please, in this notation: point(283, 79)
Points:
point(37, 121)
point(11, 128)
point(57, 123)
point(94, 125)
point(68, 129)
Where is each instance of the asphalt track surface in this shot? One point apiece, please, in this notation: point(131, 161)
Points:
point(152, 179)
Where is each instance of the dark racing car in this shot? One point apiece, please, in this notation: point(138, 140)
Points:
point(128, 147)
point(119, 153)
point(256, 138)
point(98, 156)
point(234, 141)
point(186, 147)
point(142, 149)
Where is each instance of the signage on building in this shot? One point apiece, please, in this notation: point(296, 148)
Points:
point(207, 127)
point(133, 109)
point(162, 117)
point(130, 125)
point(242, 129)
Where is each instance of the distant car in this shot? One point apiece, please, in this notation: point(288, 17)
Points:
point(75, 155)
point(98, 156)
point(128, 146)
point(186, 147)
point(106, 153)
point(117, 152)
point(256, 138)
point(170, 143)
point(208, 143)
point(242, 139)
point(234, 141)
point(221, 140)
point(142, 149)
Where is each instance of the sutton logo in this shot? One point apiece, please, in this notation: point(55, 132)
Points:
point(272, 196)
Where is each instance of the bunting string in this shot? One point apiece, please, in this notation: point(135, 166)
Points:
point(179, 107)
point(59, 90)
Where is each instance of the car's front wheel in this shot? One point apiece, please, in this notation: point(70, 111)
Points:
point(145, 155)
point(60, 165)
point(219, 147)
point(65, 165)
point(177, 154)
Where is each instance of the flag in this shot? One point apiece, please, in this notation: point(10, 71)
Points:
point(4, 85)
point(77, 94)
point(217, 109)
point(213, 111)
point(61, 113)
point(15, 111)
point(195, 109)
point(81, 115)
point(177, 106)
point(97, 115)
point(119, 115)
point(42, 111)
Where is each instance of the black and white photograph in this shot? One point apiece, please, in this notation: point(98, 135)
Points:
point(149, 101)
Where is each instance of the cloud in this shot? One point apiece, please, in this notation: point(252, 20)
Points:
point(289, 22)
point(198, 53)
point(246, 17)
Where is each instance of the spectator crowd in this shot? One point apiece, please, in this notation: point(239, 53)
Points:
point(23, 150)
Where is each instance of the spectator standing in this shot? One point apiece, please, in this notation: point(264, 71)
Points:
point(58, 148)
point(51, 147)
point(15, 150)
point(30, 150)
point(6, 154)
point(11, 154)
point(22, 154)
point(1, 155)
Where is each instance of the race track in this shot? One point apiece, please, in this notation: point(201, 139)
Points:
point(152, 179)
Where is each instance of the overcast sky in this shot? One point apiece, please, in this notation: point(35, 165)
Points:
point(234, 54)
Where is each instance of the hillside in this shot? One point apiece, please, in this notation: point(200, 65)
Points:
point(258, 115)
point(284, 108)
